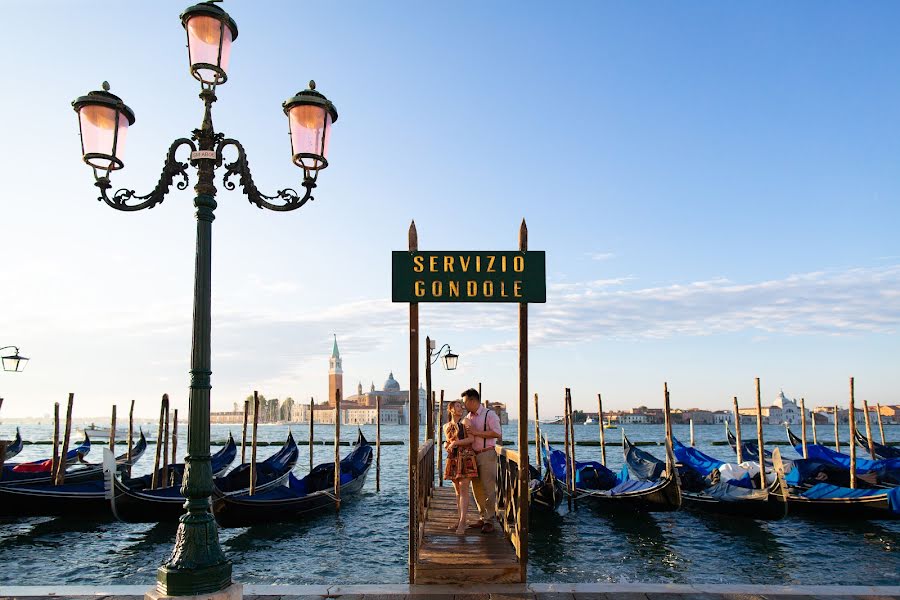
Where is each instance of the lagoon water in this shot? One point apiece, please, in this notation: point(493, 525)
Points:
point(366, 541)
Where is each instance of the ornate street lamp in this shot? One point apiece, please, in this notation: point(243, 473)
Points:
point(449, 359)
point(13, 362)
point(197, 564)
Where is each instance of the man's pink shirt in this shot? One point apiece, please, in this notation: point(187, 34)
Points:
point(476, 423)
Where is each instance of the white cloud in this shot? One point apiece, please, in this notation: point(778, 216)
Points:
point(601, 255)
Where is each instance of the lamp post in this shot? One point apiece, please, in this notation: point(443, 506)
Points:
point(450, 361)
point(13, 362)
point(197, 564)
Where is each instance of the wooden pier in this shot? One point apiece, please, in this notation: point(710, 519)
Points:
point(443, 555)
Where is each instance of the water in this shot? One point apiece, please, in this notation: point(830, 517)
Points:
point(366, 541)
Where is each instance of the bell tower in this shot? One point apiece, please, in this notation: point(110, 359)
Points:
point(335, 375)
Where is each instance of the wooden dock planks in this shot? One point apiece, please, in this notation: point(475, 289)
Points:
point(486, 558)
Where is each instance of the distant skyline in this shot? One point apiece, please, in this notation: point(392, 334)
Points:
point(716, 188)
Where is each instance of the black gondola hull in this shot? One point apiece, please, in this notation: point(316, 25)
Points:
point(772, 509)
point(665, 497)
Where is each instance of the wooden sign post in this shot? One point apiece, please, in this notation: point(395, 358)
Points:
point(517, 277)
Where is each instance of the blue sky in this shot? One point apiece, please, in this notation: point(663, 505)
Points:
point(715, 186)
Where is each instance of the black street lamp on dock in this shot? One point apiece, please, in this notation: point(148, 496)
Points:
point(13, 362)
point(197, 564)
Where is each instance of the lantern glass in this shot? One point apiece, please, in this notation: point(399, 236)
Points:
point(310, 132)
point(103, 141)
point(450, 361)
point(205, 37)
point(14, 363)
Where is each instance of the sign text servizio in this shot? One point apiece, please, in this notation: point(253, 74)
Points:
point(469, 277)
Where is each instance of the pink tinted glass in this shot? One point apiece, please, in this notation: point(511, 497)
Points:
point(98, 132)
point(203, 44)
point(307, 123)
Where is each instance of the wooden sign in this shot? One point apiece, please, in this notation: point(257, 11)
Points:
point(469, 277)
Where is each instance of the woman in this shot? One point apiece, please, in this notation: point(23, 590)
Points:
point(461, 464)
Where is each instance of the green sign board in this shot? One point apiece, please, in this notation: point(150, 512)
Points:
point(469, 277)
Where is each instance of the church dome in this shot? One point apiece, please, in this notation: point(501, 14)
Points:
point(391, 384)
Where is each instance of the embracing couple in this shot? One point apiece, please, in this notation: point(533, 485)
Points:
point(472, 432)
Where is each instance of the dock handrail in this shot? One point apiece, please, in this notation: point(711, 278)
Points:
point(510, 513)
point(424, 486)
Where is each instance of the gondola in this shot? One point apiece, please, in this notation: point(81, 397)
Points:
point(600, 487)
point(294, 501)
point(78, 497)
point(133, 502)
point(701, 494)
point(15, 447)
point(38, 471)
point(874, 472)
point(545, 491)
point(881, 451)
point(219, 463)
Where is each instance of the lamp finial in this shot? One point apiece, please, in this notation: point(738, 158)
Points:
point(312, 84)
point(105, 86)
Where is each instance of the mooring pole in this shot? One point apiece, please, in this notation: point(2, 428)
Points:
point(130, 436)
point(692, 432)
point(812, 418)
point(312, 408)
point(566, 448)
point(602, 432)
point(737, 431)
point(524, 471)
point(413, 414)
point(869, 438)
point(112, 431)
point(803, 426)
point(377, 443)
point(154, 478)
point(54, 462)
point(174, 442)
point(165, 452)
point(538, 463)
point(337, 449)
point(253, 442)
point(837, 435)
point(852, 437)
point(61, 467)
point(244, 432)
point(759, 438)
point(880, 424)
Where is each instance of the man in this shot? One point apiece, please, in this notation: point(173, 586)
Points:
point(484, 424)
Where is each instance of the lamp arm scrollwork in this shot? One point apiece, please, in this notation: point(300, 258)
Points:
point(241, 167)
point(437, 354)
point(171, 169)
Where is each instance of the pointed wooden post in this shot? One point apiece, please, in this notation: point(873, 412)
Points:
point(130, 435)
point(165, 453)
point(174, 437)
point(852, 437)
point(154, 477)
point(602, 432)
point(378, 444)
point(837, 433)
point(737, 431)
point(244, 432)
point(803, 426)
point(61, 467)
point(880, 424)
point(54, 462)
point(413, 414)
point(869, 430)
point(759, 438)
point(312, 420)
point(337, 449)
point(812, 418)
point(440, 444)
point(253, 442)
point(667, 412)
point(538, 463)
point(112, 431)
point(524, 471)
point(692, 432)
point(566, 442)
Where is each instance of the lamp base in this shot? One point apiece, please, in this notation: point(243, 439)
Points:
point(235, 591)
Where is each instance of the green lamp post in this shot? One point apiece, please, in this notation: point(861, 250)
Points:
point(197, 564)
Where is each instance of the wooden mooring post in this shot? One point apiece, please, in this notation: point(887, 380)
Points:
point(61, 467)
point(737, 431)
point(880, 424)
point(244, 432)
point(154, 477)
point(602, 432)
point(869, 437)
point(803, 426)
point(692, 432)
point(112, 430)
point(312, 420)
point(253, 442)
point(378, 443)
point(130, 436)
point(413, 417)
point(538, 463)
point(337, 449)
point(522, 518)
point(667, 413)
point(837, 432)
point(759, 438)
point(812, 418)
point(852, 419)
point(54, 461)
point(174, 439)
point(165, 451)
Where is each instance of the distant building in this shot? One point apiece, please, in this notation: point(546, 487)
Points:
point(784, 412)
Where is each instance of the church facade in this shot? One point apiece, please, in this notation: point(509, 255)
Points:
point(358, 409)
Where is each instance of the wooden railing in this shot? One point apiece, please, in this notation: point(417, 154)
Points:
point(424, 487)
point(511, 514)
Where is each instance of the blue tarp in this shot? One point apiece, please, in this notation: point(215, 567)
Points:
point(863, 465)
point(632, 485)
point(590, 475)
point(695, 459)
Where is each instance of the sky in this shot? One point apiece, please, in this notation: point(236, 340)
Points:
point(715, 186)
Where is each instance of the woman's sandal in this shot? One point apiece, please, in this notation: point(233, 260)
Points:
point(461, 530)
